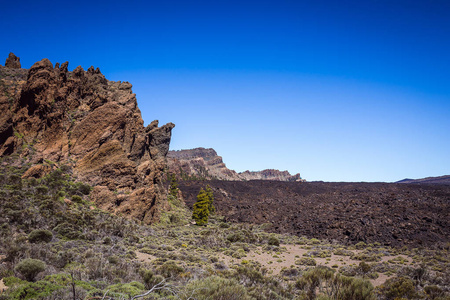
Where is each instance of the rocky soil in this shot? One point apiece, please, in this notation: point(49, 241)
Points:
point(205, 164)
point(391, 214)
point(51, 116)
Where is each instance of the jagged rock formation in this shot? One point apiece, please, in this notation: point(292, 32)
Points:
point(81, 119)
point(199, 163)
point(428, 180)
point(205, 164)
point(12, 61)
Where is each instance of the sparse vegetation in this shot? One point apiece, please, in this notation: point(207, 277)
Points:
point(56, 249)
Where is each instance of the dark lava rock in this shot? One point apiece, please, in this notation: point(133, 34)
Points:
point(388, 213)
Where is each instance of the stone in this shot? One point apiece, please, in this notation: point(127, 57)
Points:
point(13, 61)
point(93, 125)
point(204, 163)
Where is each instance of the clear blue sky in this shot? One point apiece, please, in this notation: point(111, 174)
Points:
point(335, 90)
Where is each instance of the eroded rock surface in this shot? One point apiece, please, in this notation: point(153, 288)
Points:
point(81, 119)
point(13, 61)
point(205, 164)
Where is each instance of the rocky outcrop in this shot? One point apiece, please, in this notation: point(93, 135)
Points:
point(12, 61)
point(81, 119)
point(199, 163)
point(205, 164)
point(270, 174)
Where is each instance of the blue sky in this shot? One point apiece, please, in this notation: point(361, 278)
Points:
point(335, 90)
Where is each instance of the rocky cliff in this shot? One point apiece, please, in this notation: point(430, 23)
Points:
point(50, 115)
point(205, 164)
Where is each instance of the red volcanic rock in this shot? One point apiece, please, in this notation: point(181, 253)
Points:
point(83, 120)
point(12, 61)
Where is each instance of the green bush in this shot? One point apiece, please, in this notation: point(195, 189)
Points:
point(77, 199)
point(29, 268)
point(333, 285)
point(68, 230)
point(216, 288)
point(244, 235)
point(355, 289)
point(40, 235)
point(130, 289)
point(273, 241)
point(42, 189)
point(170, 269)
point(433, 292)
point(397, 288)
point(306, 261)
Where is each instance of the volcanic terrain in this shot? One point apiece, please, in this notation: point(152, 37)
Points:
point(388, 213)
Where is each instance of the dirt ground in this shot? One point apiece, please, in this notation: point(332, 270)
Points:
point(275, 263)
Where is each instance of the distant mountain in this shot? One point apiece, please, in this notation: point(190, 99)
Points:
point(429, 180)
point(205, 164)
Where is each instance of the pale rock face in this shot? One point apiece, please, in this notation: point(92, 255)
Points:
point(81, 119)
point(204, 163)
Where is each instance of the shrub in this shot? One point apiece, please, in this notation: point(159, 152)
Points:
point(306, 261)
point(215, 287)
point(397, 288)
point(68, 230)
point(342, 252)
point(356, 288)
point(170, 269)
point(433, 291)
point(273, 241)
point(245, 236)
point(364, 268)
point(334, 286)
point(131, 289)
point(77, 199)
point(42, 189)
point(360, 245)
point(29, 268)
point(40, 235)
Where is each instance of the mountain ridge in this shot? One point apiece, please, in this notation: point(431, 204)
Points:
point(205, 163)
point(445, 179)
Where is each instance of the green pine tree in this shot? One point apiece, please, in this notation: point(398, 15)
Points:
point(201, 211)
point(211, 207)
point(173, 185)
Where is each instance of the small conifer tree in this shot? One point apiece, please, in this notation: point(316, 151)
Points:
point(173, 185)
point(201, 211)
point(211, 207)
